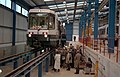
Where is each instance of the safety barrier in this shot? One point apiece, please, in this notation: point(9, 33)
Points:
point(24, 70)
point(106, 67)
point(100, 45)
point(16, 57)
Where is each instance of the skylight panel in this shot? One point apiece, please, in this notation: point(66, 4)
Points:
point(60, 18)
point(63, 12)
point(58, 13)
point(72, 11)
point(70, 5)
point(52, 6)
point(80, 2)
point(71, 16)
point(48, 0)
point(92, 9)
point(79, 11)
point(77, 16)
point(64, 17)
point(61, 6)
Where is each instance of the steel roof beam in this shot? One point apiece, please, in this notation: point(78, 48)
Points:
point(52, 4)
point(75, 7)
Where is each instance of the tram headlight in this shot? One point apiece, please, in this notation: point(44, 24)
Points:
point(45, 34)
point(0, 70)
point(29, 35)
point(42, 51)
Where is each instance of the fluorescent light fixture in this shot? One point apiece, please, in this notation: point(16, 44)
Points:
point(68, 21)
point(42, 50)
point(66, 15)
point(64, 2)
point(63, 24)
point(65, 10)
point(80, 2)
point(48, 0)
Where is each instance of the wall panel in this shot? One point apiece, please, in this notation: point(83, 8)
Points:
point(8, 18)
point(7, 35)
point(1, 16)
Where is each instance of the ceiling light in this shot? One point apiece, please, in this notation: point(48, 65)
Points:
point(48, 0)
point(64, 2)
point(63, 24)
point(65, 10)
point(66, 15)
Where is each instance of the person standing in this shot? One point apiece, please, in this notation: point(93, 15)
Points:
point(57, 61)
point(74, 38)
point(68, 59)
point(77, 61)
point(63, 57)
point(89, 64)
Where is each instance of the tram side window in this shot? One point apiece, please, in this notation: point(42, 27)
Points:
point(51, 22)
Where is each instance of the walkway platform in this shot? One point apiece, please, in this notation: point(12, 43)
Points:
point(62, 73)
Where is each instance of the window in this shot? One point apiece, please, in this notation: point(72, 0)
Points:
point(51, 21)
point(24, 12)
point(2, 2)
point(8, 3)
point(41, 21)
point(38, 21)
point(18, 8)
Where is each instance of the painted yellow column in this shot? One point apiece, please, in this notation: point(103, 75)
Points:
point(96, 69)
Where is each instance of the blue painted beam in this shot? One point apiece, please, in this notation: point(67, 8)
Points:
point(40, 70)
point(111, 27)
point(80, 27)
point(69, 31)
point(96, 20)
point(89, 14)
point(15, 64)
point(84, 23)
point(14, 24)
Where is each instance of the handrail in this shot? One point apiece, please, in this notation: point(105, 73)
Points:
point(23, 68)
point(15, 56)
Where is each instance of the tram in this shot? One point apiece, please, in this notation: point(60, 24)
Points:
point(103, 33)
point(43, 30)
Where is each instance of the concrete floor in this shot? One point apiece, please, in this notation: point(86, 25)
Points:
point(62, 73)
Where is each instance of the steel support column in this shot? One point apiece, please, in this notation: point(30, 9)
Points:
point(119, 41)
point(80, 27)
point(40, 70)
point(89, 14)
point(46, 64)
point(111, 27)
point(84, 22)
point(96, 20)
point(15, 64)
point(14, 23)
